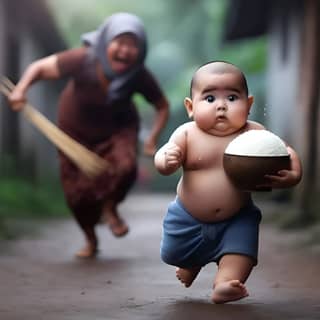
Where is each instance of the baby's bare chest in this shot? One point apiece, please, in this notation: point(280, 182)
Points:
point(206, 153)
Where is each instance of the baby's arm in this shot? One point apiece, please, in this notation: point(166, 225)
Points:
point(287, 178)
point(171, 155)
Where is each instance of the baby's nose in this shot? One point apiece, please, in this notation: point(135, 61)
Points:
point(222, 107)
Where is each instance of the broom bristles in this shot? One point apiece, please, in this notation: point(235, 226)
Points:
point(87, 161)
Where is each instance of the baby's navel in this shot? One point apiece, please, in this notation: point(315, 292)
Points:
point(217, 213)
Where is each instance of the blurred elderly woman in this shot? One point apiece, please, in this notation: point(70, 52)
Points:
point(97, 110)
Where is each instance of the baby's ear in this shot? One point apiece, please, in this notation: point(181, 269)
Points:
point(188, 106)
point(250, 101)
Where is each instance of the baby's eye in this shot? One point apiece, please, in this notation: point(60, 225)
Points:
point(232, 97)
point(210, 98)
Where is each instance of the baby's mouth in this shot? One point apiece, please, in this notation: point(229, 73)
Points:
point(221, 117)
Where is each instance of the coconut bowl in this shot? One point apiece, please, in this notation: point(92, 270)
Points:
point(247, 172)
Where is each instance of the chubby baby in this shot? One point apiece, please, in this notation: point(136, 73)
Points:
point(211, 220)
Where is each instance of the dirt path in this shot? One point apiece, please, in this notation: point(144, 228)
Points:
point(40, 279)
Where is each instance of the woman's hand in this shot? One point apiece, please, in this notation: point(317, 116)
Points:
point(45, 68)
point(150, 148)
point(17, 100)
point(162, 114)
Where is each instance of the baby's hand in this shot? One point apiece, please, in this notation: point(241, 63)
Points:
point(172, 156)
point(284, 179)
point(168, 158)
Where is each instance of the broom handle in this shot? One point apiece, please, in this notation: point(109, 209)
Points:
point(93, 164)
point(52, 132)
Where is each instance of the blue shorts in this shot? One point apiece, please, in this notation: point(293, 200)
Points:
point(187, 242)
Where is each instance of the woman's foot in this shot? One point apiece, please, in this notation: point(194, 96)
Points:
point(227, 291)
point(89, 251)
point(117, 226)
point(186, 276)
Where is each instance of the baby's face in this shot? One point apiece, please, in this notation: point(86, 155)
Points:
point(220, 105)
point(122, 52)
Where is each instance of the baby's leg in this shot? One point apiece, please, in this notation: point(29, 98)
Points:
point(233, 271)
point(186, 276)
point(90, 249)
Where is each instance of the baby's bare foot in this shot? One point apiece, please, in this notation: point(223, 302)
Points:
point(229, 291)
point(88, 251)
point(186, 276)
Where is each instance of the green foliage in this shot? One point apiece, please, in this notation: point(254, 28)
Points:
point(24, 204)
point(183, 33)
point(21, 198)
point(249, 55)
point(79, 16)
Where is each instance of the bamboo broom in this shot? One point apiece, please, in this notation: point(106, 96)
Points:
point(87, 161)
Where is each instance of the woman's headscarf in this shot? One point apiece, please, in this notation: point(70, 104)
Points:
point(113, 26)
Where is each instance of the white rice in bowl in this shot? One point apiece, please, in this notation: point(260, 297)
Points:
point(257, 143)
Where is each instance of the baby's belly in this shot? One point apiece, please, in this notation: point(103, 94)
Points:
point(209, 196)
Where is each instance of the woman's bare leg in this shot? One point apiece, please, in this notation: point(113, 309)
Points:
point(116, 224)
point(91, 247)
point(233, 271)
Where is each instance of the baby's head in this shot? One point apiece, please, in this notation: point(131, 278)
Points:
point(219, 101)
point(218, 67)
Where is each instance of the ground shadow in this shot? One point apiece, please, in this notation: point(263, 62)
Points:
point(204, 310)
